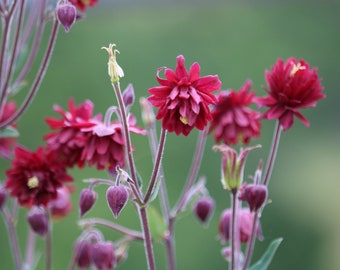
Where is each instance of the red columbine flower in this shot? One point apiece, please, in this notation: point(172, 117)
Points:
point(82, 5)
point(7, 144)
point(183, 98)
point(292, 86)
point(68, 140)
point(233, 120)
point(35, 176)
point(105, 146)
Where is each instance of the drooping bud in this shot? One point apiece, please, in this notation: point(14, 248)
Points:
point(254, 195)
point(82, 251)
point(3, 196)
point(117, 197)
point(66, 14)
point(87, 199)
point(38, 220)
point(245, 221)
point(204, 208)
point(102, 254)
point(148, 115)
point(129, 96)
point(62, 205)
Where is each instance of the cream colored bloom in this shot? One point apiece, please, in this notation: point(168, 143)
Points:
point(114, 70)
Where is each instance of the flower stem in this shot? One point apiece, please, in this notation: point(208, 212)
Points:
point(233, 231)
point(251, 243)
point(147, 239)
point(38, 78)
point(156, 167)
point(272, 154)
point(48, 247)
point(98, 221)
point(9, 221)
point(30, 248)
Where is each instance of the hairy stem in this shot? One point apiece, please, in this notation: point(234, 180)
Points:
point(251, 243)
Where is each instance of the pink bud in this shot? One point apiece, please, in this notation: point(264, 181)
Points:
point(204, 208)
point(102, 254)
point(117, 197)
point(38, 221)
point(254, 195)
point(67, 15)
point(87, 199)
point(82, 250)
point(129, 95)
point(2, 196)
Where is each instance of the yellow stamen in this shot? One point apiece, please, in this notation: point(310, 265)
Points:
point(184, 120)
point(33, 182)
point(296, 68)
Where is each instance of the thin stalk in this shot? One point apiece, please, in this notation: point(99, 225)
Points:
point(48, 245)
point(30, 248)
point(147, 239)
point(142, 210)
point(193, 170)
point(251, 243)
point(13, 55)
point(98, 221)
point(13, 239)
point(127, 137)
point(157, 166)
point(233, 230)
point(272, 154)
point(39, 77)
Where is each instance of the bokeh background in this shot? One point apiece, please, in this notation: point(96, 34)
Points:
point(238, 40)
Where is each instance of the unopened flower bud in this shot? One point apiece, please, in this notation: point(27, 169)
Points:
point(129, 95)
point(82, 251)
point(117, 197)
point(103, 255)
point(87, 199)
point(204, 208)
point(148, 116)
point(66, 14)
point(38, 220)
point(254, 195)
point(3, 196)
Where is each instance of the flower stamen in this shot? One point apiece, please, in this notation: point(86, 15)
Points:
point(296, 68)
point(184, 120)
point(33, 182)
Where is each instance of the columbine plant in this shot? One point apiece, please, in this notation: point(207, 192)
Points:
point(39, 180)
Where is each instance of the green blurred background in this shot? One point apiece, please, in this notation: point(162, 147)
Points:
point(237, 40)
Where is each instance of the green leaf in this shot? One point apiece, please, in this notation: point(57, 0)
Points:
point(156, 223)
point(9, 132)
point(267, 257)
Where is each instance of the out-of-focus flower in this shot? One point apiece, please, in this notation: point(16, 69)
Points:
point(292, 86)
point(38, 220)
point(87, 199)
point(103, 255)
point(254, 194)
point(82, 251)
point(82, 5)
point(68, 140)
point(36, 176)
point(183, 97)
point(245, 221)
point(232, 165)
point(203, 209)
point(62, 205)
point(7, 144)
point(117, 197)
point(233, 120)
point(105, 145)
point(66, 14)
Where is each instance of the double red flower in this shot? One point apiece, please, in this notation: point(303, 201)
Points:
point(183, 98)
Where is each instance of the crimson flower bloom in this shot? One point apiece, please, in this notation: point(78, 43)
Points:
point(36, 176)
point(105, 146)
point(184, 97)
point(82, 5)
point(7, 144)
point(292, 86)
point(233, 120)
point(68, 140)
